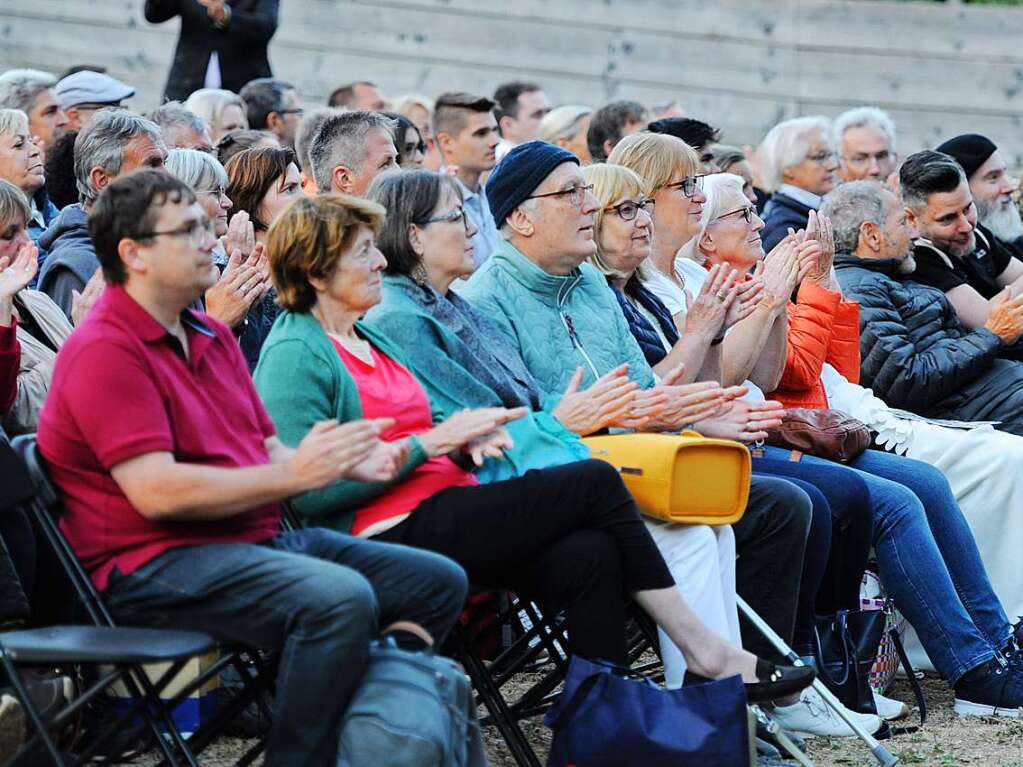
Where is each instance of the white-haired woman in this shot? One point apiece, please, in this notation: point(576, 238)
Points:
point(237, 298)
point(21, 163)
point(222, 110)
point(566, 126)
point(798, 165)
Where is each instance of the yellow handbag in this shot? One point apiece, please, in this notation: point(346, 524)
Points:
point(685, 478)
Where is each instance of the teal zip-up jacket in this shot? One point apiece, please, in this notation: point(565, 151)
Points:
point(301, 379)
point(557, 323)
point(443, 364)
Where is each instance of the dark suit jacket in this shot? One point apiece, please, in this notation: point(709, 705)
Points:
point(241, 47)
point(780, 213)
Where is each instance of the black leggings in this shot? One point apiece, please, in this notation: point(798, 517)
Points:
point(569, 537)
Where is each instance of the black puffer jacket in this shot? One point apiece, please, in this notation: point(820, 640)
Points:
point(915, 354)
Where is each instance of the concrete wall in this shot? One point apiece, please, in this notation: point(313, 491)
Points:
point(938, 68)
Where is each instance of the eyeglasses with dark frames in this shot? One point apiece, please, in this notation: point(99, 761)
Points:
point(450, 217)
point(575, 194)
point(747, 213)
point(196, 232)
point(688, 185)
point(628, 210)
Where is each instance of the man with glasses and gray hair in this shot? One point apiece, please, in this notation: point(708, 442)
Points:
point(798, 165)
point(350, 149)
point(113, 144)
point(865, 140)
point(273, 105)
point(31, 91)
point(182, 128)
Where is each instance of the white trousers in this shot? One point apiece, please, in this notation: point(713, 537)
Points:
point(701, 559)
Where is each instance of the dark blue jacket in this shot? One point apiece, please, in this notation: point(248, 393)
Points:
point(71, 261)
point(50, 213)
point(780, 213)
point(644, 333)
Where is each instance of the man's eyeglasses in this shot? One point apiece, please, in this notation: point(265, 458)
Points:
point(747, 213)
point(688, 185)
point(299, 111)
point(821, 156)
point(197, 232)
point(458, 214)
point(628, 210)
point(863, 159)
point(575, 194)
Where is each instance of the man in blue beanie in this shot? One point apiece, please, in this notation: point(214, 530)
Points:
point(561, 314)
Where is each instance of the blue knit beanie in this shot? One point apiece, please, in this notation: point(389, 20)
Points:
point(518, 175)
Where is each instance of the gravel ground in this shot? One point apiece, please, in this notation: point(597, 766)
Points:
point(945, 741)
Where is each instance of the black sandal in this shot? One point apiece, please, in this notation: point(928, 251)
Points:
point(778, 681)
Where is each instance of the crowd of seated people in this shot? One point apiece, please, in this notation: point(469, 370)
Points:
point(404, 316)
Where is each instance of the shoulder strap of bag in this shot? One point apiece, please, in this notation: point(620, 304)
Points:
point(910, 674)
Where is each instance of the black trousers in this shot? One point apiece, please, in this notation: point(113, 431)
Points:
point(569, 537)
point(770, 541)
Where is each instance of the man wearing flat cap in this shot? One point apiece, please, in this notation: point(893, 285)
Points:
point(953, 251)
point(83, 93)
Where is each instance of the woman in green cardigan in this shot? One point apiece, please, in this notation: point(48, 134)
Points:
point(569, 537)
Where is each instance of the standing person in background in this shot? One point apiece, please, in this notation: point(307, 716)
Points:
point(223, 43)
point(466, 132)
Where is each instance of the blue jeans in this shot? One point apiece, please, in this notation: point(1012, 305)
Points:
point(316, 595)
point(929, 562)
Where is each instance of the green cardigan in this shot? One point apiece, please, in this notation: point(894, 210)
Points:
point(302, 380)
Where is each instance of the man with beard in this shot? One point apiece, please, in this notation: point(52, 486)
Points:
point(915, 353)
point(991, 187)
point(954, 253)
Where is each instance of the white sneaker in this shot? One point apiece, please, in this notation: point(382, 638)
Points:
point(812, 716)
point(890, 709)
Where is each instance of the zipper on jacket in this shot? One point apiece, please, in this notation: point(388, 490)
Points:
point(566, 320)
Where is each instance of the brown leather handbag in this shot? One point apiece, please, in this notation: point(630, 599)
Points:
point(823, 432)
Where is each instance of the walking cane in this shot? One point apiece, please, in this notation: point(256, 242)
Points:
point(884, 757)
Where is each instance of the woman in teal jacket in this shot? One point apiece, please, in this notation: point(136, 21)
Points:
point(465, 361)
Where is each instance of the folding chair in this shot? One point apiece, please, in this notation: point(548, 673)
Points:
point(255, 671)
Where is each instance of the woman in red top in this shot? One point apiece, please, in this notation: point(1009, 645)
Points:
point(569, 536)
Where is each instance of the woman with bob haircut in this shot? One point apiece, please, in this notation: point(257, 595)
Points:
point(223, 111)
point(569, 536)
point(464, 361)
point(237, 299)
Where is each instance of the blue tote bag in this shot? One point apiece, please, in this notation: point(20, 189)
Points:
point(607, 717)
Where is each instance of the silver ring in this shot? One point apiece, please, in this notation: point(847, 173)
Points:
point(721, 295)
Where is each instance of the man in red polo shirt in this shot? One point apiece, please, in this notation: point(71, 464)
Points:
point(171, 475)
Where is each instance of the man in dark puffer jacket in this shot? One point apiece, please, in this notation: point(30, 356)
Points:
point(915, 353)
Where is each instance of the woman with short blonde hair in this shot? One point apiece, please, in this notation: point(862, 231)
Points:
point(223, 111)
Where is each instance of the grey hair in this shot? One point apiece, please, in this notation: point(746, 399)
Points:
point(101, 144)
point(307, 129)
point(720, 189)
point(209, 104)
point(563, 122)
point(20, 87)
point(13, 120)
point(786, 145)
point(726, 155)
point(173, 115)
point(863, 117)
point(13, 202)
point(849, 206)
point(200, 170)
point(341, 141)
